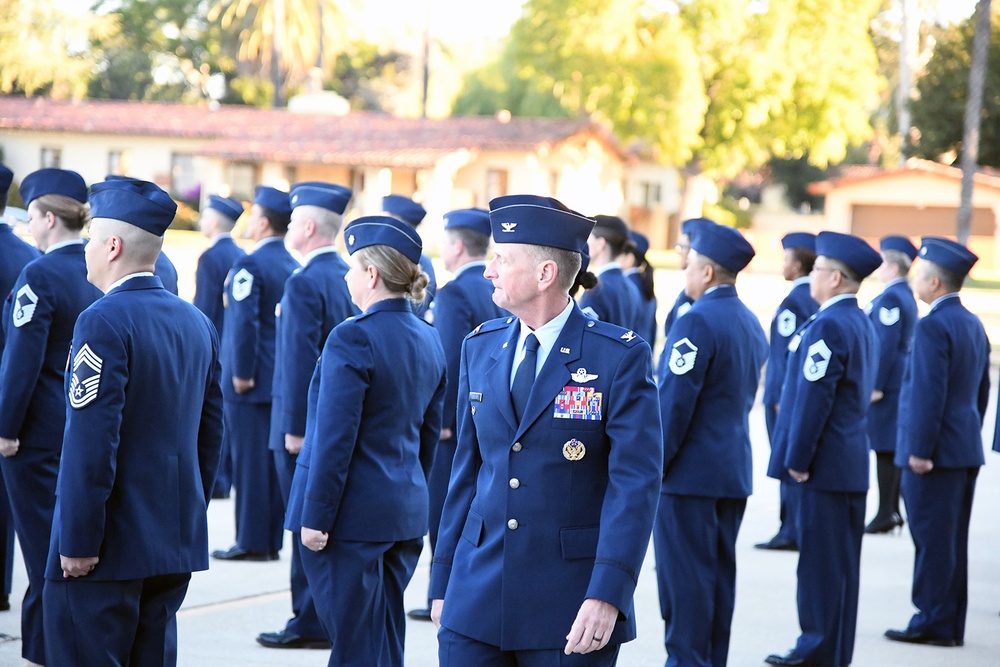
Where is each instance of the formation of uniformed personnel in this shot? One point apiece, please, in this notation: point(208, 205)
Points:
point(141, 446)
point(706, 391)
point(793, 311)
point(821, 442)
point(894, 314)
point(254, 288)
point(412, 213)
point(460, 306)
point(315, 300)
point(942, 402)
point(558, 463)
point(38, 321)
point(638, 269)
point(614, 299)
point(359, 495)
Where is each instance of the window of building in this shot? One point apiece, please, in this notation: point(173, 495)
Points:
point(242, 178)
point(651, 194)
point(183, 179)
point(51, 158)
point(119, 162)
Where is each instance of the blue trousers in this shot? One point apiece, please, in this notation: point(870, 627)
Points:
point(695, 543)
point(788, 492)
point(437, 489)
point(113, 623)
point(6, 538)
point(224, 478)
point(260, 514)
point(939, 506)
point(456, 650)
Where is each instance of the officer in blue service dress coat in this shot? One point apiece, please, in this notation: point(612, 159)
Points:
point(614, 299)
point(460, 306)
point(640, 272)
point(314, 302)
point(555, 482)
point(216, 223)
point(38, 320)
point(940, 449)
point(894, 314)
point(794, 310)
point(141, 446)
point(412, 213)
point(821, 442)
point(706, 392)
point(359, 496)
point(253, 291)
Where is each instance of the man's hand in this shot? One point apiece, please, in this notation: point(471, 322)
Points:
point(9, 447)
point(77, 567)
point(437, 606)
point(799, 476)
point(243, 385)
point(293, 443)
point(446, 434)
point(921, 466)
point(592, 628)
point(314, 540)
point(877, 396)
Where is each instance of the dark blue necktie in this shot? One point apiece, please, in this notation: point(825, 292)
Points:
point(525, 376)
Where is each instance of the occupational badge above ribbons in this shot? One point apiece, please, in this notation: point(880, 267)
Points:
point(574, 450)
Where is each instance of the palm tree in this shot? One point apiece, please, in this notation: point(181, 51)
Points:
point(973, 118)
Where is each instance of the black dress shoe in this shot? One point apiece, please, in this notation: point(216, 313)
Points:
point(236, 552)
point(914, 637)
point(4, 603)
point(777, 544)
point(419, 614)
point(775, 659)
point(286, 639)
point(887, 524)
point(218, 494)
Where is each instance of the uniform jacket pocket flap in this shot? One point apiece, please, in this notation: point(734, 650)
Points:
point(473, 530)
point(579, 542)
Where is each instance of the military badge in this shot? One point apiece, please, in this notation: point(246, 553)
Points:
point(574, 450)
point(350, 240)
point(578, 403)
point(817, 360)
point(682, 309)
point(683, 354)
point(628, 336)
point(24, 305)
point(242, 284)
point(786, 323)
point(888, 316)
point(564, 350)
point(508, 227)
point(582, 376)
point(86, 377)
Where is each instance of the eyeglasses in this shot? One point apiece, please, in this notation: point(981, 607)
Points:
point(826, 268)
point(682, 247)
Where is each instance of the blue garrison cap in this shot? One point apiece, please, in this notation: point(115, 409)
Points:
point(383, 230)
point(799, 240)
point(476, 219)
point(53, 182)
point(228, 207)
point(6, 178)
point(136, 202)
point(641, 242)
point(540, 221)
point(273, 199)
point(691, 224)
point(612, 224)
point(325, 195)
point(852, 250)
point(947, 254)
point(899, 243)
point(584, 258)
point(405, 208)
point(723, 244)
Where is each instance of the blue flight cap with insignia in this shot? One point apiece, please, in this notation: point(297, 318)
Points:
point(899, 243)
point(139, 203)
point(611, 224)
point(476, 219)
point(383, 230)
point(227, 206)
point(324, 195)
point(799, 240)
point(641, 242)
point(543, 221)
point(947, 254)
point(691, 224)
point(405, 208)
point(6, 178)
point(852, 250)
point(722, 244)
point(51, 181)
point(273, 199)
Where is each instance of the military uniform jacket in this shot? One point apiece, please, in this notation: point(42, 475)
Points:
point(253, 291)
point(210, 278)
point(894, 314)
point(792, 313)
point(14, 254)
point(945, 389)
point(614, 300)
point(543, 514)
point(646, 324)
point(166, 272)
point(682, 304)
point(38, 320)
point(315, 300)
point(143, 436)
point(822, 418)
point(706, 391)
point(373, 421)
point(427, 266)
point(459, 307)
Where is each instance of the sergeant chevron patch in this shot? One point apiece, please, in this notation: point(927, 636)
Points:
point(86, 377)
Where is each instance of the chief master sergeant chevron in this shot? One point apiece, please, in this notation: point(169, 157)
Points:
point(556, 477)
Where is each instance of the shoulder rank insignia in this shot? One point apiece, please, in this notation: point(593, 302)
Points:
point(86, 377)
point(786, 323)
point(24, 305)
point(582, 376)
point(888, 316)
point(817, 360)
point(508, 227)
point(242, 284)
point(628, 336)
point(683, 354)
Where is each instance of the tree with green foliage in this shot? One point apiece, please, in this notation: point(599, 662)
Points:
point(367, 76)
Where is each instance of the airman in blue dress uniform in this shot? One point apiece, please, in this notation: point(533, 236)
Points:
point(253, 291)
point(894, 314)
point(683, 302)
point(706, 392)
point(555, 482)
point(640, 272)
point(794, 310)
point(412, 213)
point(942, 402)
point(614, 299)
point(142, 440)
point(314, 302)
point(821, 442)
point(38, 320)
point(359, 495)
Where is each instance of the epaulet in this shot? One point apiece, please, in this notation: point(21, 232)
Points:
point(492, 325)
point(624, 336)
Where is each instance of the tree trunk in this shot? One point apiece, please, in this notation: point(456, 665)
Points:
point(973, 118)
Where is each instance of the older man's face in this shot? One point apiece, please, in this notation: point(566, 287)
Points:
point(515, 276)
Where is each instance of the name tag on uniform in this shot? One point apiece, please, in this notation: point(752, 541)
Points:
point(475, 396)
point(578, 403)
